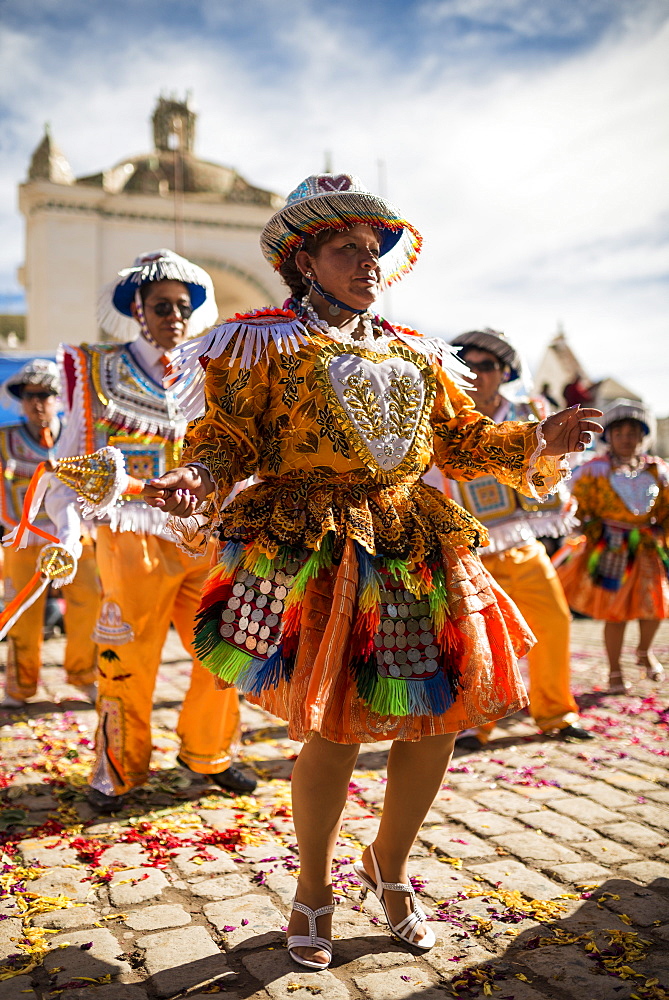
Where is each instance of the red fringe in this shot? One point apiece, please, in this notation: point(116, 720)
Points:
point(450, 641)
point(214, 581)
point(365, 628)
point(292, 617)
point(216, 595)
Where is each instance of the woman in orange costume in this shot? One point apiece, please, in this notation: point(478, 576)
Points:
point(618, 573)
point(349, 598)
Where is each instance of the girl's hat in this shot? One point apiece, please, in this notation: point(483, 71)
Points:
point(628, 409)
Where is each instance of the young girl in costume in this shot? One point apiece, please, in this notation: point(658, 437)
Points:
point(618, 573)
point(349, 598)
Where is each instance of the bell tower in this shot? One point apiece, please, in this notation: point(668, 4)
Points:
point(174, 125)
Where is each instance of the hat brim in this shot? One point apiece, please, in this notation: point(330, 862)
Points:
point(627, 409)
point(286, 231)
point(124, 294)
point(493, 345)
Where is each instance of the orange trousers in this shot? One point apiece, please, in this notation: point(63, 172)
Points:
point(24, 641)
point(147, 583)
point(529, 578)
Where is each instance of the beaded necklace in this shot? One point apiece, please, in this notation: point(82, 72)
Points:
point(373, 337)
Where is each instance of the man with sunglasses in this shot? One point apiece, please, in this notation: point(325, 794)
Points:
point(120, 394)
point(515, 557)
point(23, 446)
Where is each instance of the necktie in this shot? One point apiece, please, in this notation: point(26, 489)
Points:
point(168, 378)
point(46, 438)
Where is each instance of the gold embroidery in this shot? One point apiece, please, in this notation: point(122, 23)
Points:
point(409, 520)
point(403, 401)
point(364, 406)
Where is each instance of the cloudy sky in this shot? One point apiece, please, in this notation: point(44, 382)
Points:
point(527, 139)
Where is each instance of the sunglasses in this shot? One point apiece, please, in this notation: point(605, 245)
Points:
point(484, 366)
point(37, 395)
point(165, 308)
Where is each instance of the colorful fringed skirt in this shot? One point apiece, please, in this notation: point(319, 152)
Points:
point(623, 576)
point(413, 640)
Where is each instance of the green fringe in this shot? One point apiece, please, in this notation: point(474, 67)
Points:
point(633, 541)
point(438, 596)
point(398, 569)
point(263, 566)
point(207, 638)
point(227, 662)
point(318, 560)
point(593, 561)
point(390, 697)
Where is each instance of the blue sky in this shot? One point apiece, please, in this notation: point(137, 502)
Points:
point(527, 139)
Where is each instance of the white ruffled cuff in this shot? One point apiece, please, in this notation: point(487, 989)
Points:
point(552, 469)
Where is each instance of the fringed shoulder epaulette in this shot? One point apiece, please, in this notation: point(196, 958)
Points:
point(436, 350)
point(246, 338)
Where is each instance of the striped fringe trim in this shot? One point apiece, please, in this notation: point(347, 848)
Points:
point(250, 342)
point(386, 696)
point(402, 696)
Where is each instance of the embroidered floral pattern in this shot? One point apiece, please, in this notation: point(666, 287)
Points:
point(290, 364)
point(364, 391)
point(329, 429)
point(403, 401)
point(230, 388)
point(364, 406)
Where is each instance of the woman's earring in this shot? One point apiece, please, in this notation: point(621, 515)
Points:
point(306, 278)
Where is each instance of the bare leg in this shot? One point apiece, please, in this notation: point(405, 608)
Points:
point(614, 633)
point(415, 774)
point(645, 656)
point(319, 787)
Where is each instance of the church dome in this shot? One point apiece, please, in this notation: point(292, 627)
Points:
point(173, 167)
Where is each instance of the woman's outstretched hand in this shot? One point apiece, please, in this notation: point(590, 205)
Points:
point(180, 491)
point(570, 430)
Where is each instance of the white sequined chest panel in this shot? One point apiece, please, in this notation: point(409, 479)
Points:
point(638, 493)
point(383, 401)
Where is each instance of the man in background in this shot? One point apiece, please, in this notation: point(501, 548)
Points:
point(114, 395)
point(23, 446)
point(516, 558)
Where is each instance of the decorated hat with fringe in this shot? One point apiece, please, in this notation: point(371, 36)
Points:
point(116, 298)
point(39, 372)
point(495, 343)
point(339, 201)
point(628, 409)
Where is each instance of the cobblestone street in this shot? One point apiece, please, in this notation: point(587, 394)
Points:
point(545, 865)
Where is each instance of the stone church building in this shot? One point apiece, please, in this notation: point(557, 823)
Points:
point(81, 230)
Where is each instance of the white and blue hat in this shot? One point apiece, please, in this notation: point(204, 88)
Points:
point(116, 298)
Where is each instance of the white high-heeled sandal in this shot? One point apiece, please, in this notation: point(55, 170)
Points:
point(406, 929)
point(311, 941)
point(654, 669)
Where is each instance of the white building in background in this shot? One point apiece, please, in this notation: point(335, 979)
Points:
point(81, 231)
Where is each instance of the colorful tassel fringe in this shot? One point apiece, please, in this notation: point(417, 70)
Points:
point(386, 696)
